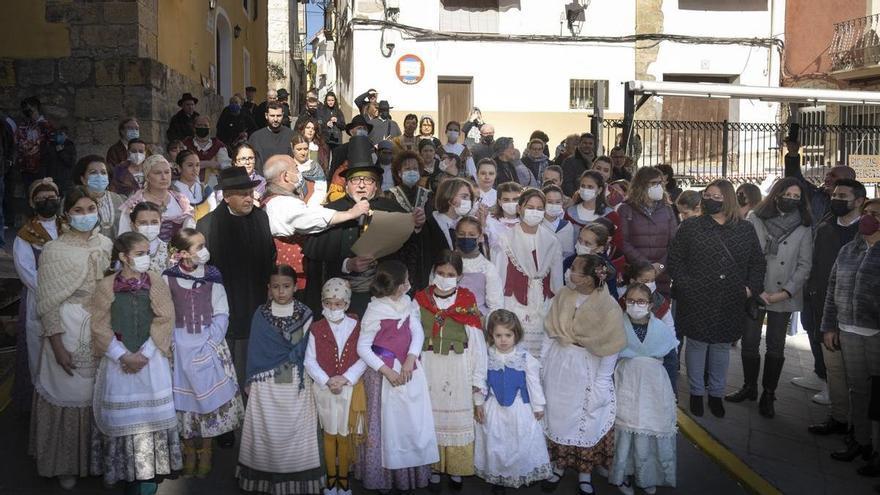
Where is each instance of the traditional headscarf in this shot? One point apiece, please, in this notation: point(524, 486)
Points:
point(44, 184)
point(336, 288)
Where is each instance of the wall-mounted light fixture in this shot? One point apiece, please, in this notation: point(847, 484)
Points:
point(212, 4)
point(236, 31)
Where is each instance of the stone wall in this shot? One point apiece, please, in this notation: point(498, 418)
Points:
point(112, 73)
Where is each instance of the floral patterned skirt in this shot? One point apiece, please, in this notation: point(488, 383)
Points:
point(583, 459)
point(226, 418)
point(138, 457)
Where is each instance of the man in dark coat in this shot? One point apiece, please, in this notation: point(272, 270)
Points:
point(357, 127)
point(329, 254)
point(384, 127)
point(260, 110)
point(249, 106)
point(238, 237)
point(575, 165)
point(235, 124)
point(182, 125)
point(819, 197)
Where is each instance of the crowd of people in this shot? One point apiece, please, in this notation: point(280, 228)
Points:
point(530, 323)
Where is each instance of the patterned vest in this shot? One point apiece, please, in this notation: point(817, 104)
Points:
point(193, 308)
point(452, 335)
point(327, 352)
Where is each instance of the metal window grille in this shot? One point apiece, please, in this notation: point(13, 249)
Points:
point(581, 92)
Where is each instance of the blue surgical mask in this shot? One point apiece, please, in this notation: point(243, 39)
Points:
point(98, 182)
point(410, 177)
point(84, 223)
point(466, 244)
point(132, 134)
point(234, 107)
point(60, 138)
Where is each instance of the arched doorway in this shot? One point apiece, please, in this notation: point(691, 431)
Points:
point(223, 57)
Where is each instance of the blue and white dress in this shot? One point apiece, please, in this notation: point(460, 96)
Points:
point(509, 448)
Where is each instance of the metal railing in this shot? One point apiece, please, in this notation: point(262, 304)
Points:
point(739, 151)
point(856, 43)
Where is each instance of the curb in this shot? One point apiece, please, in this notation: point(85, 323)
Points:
point(704, 440)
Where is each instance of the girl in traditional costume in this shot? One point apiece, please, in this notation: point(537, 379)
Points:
point(400, 444)
point(333, 363)
point(645, 426)
point(453, 353)
point(44, 226)
point(146, 218)
point(206, 394)
point(279, 441)
point(133, 402)
point(510, 449)
point(585, 326)
point(313, 178)
point(479, 276)
point(70, 267)
point(503, 216)
point(529, 261)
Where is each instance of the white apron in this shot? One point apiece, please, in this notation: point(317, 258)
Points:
point(333, 409)
point(408, 438)
point(55, 385)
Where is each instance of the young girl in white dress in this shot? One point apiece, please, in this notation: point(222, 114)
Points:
point(400, 443)
point(503, 216)
point(510, 449)
point(480, 275)
point(146, 218)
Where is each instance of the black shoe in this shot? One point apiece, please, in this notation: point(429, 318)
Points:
point(499, 490)
point(853, 450)
point(765, 406)
point(716, 406)
point(226, 440)
point(871, 469)
point(697, 405)
point(747, 392)
point(455, 485)
point(830, 426)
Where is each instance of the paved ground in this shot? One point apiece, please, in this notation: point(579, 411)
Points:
point(780, 449)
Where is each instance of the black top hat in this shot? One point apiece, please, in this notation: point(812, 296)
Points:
point(383, 105)
point(282, 94)
point(360, 157)
point(358, 121)
point(794, 133)
point(187, 96)
point(235, 178)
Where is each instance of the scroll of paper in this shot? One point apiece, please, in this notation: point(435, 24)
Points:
point(386, 233)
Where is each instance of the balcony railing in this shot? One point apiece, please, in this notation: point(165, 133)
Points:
point(856, 43)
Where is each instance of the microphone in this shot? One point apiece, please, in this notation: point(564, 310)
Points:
point(362, 220)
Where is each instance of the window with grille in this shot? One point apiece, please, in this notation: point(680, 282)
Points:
point(582, 92)
point(469, 16)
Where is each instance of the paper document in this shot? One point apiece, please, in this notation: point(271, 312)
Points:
point(385, 234)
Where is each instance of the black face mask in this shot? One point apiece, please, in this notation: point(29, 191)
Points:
point(202, 132)
point(787, 205)
point(28, 112)
point(47, 207)
point(840, 207)
point(488, 139)
point(742, 200)
point(711, 206)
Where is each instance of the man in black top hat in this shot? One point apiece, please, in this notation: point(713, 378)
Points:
point(384, 127)
point(283, 96)
point(328, 254)
point(182, 125)
point(358, 126)
point(238, 237)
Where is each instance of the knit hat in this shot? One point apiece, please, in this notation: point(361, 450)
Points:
point(44, 184)
point(336, 288)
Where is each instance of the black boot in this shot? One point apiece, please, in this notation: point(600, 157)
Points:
point(697, 405)
point(874, 399)
point(871, 469)
point(830, 426)
point(853, 449)
point(716, 406)
point(749, 391)
point(772, 370)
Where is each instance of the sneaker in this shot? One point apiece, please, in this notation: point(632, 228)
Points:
point(67, 481)
point(811, 382)
point(822, 397)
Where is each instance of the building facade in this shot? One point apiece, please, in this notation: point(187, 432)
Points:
point(92, 63)
point(526, 66)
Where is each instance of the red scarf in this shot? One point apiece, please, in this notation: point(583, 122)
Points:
point(463, 310)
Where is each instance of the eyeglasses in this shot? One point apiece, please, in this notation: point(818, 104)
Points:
point(716, 197)
point(641, 303)
point(362, 180)
point(247, 159)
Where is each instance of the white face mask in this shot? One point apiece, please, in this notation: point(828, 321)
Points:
point(151, 232)
point(141, 263)
point(202, 256)
point(452, 136)
point(652, 286)
point(509, 208)
point(637, 313)
point(587, 194)
point(463, 208)
point(445, 283)
point(533, 218)
point(554, 210)
point(361, 132)
point(137, 158)
point(568, 282)
point(655, 192)
point(581, 249)
point(334, 315)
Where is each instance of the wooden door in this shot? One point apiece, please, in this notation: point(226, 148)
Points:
point(455, 100)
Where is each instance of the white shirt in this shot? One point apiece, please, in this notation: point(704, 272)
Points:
point(341, 332)
point(489, 198)
point(587, 215)
point(289, 215)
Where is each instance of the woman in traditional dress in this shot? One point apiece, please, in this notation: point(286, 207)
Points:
point(585, 326)
point(279, 441)
point(70, 267)
point(133, 402)
point(176, 210)
point(206, 393)
point(313, 181)
point(453, 352)
point(400, 444)
point(44, 226)
point(529, 262)
point(91, 171)
point(645, 426)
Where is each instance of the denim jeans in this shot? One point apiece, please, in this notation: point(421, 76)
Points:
point(698, 365)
